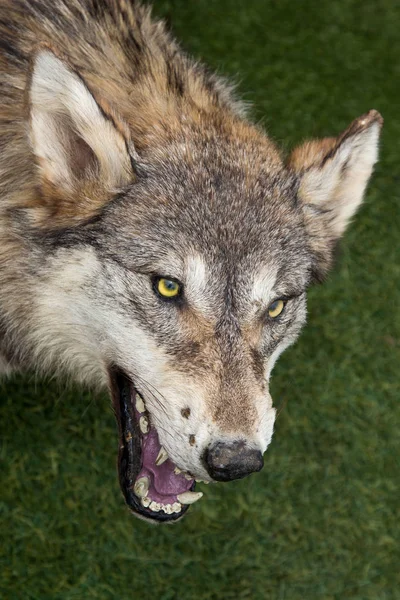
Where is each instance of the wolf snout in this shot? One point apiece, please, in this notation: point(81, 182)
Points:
point(226, 461)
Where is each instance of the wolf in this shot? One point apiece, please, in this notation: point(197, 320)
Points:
point(154, 241)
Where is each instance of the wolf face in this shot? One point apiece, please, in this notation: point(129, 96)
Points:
point(167, 254)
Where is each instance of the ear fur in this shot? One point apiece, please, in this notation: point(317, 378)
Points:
point(334, 173)
point(82, 152)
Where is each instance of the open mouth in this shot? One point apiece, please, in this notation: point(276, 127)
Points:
point(154, 488)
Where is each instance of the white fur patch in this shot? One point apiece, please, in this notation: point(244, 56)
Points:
point(263, 284)
point(196, 277)
point(65, 323)
point(262, 290)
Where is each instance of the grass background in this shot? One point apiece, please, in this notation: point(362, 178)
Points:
point(322, 519)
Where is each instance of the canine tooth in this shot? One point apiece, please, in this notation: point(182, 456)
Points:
point(176, 507)
point(189, 497)
point(177, 471)
point(188, 477)
point(146, 501)
point(202, 481)
point(144, 424)
point(161, 457)
point(141, 487)
point(140, 407)
point(155, 506)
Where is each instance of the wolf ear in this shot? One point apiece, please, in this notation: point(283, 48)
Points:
point(334, 173)
point(82, 152)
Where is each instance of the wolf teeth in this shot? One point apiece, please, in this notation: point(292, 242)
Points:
point(144, 424)
point(176, 507)
point(186, 475)
point(140, 406)
point(189, 497)
point(141, 487)
point(161, 457)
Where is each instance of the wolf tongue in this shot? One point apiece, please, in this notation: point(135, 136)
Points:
point(165, 484)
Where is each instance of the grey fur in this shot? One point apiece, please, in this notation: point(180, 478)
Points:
point(205, 183)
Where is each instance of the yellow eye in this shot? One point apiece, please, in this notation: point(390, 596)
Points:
point(167, 288)
point(275, 309)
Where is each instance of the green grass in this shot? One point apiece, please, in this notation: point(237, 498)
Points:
point(321, 521)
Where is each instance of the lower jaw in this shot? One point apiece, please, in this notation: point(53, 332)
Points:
point(130, 454)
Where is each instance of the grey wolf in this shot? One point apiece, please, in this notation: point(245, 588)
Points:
point(154, 241)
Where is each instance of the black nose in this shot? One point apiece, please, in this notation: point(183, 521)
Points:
point(234, 460)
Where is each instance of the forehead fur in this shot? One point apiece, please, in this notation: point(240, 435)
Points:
point(228, 205)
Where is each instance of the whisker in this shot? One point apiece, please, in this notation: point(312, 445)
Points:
point(159, 398)
point(280, 409)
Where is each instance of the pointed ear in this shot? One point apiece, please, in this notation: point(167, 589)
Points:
point(83, 151)
point(333, 174)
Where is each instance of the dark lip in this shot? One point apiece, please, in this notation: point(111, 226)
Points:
point(130, 449)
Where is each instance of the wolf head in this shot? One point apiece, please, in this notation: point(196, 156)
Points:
point(174, 268)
